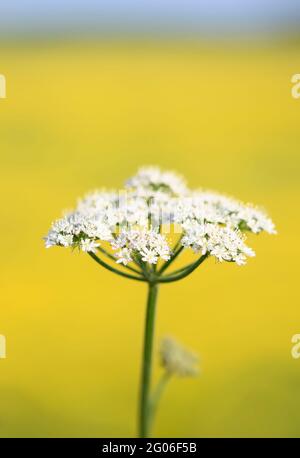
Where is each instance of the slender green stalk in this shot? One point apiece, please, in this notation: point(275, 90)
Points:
point(143, 266)
point(177, 271)
point(181, 269)
point(144, 413)
point(112, 269)
point(112, 257)
point(184, 273)
point(148, 404)
point(176, 250)
point(157, 395)
point(167, 263)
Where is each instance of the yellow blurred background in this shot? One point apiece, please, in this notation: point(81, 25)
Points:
point(86, 115)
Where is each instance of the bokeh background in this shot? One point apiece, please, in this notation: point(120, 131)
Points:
point(94, 90)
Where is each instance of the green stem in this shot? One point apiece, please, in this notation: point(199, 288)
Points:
point(177, 271)
point(157, 395)
point(167, 263)
point(143, 266)
point(144, 413)
point(113, 258)
point(112, 269)
point(185, 273)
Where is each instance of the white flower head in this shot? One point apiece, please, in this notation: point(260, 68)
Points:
point(176, 359)
point(224, 243)
point(153, 179)
point(141, 243)
point(130, 221)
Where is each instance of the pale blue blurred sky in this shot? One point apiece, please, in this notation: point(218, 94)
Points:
point(193, 15)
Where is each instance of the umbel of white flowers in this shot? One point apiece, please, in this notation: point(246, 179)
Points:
point(132, 228)
point(130, 220)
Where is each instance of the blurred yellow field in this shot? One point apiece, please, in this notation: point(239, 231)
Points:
point(87, 115)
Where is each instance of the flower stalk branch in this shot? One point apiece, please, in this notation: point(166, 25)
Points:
point(112, 269)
